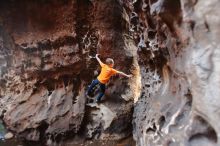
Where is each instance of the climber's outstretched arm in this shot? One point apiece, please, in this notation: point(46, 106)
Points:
point(98, 59)
point(124, 74)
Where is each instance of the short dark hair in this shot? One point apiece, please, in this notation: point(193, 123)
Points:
point(109, 61)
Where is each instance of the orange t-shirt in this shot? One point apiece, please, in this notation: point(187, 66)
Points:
point(106, 73)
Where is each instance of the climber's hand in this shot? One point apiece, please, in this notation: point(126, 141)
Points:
point(129, 76)
point(97, 55)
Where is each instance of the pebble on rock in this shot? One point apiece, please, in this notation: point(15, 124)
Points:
point(9, 135)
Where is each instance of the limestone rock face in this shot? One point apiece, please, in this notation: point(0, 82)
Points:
point(178, 51)
point(171, 48)
point(46, 66)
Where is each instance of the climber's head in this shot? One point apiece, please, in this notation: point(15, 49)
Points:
point(110, 62)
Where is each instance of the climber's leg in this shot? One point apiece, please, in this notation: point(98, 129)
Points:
point(93, 84)
point(102, 92)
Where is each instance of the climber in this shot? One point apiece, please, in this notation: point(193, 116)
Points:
point(106, 72)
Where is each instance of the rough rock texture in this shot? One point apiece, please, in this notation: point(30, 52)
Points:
point(170, 46)
point(178, 56)
point(46, 65)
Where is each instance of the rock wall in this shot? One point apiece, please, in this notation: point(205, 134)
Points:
point(178, 50)
point(171, 47)
point(46, 65)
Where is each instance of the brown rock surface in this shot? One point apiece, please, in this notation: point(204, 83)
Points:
point(171, 47)
point(46, 67)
